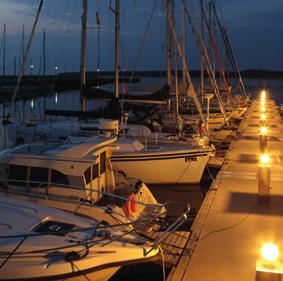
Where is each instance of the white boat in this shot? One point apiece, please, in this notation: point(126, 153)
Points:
point(41, 243)
point(74, 175)
point(161, 164)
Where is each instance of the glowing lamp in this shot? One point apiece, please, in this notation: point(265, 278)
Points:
point(269, 252)
point(263, 131)
point(263, 94)
point(264, 159)
point(262, 108)
point(263, 116)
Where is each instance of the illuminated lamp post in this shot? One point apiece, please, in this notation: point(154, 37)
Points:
point(264, 168)
point(262, 119)
point(269, 267)
point(263, 138)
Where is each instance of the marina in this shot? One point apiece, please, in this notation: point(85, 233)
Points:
point(140, 140)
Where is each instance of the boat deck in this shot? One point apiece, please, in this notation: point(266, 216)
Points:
point(231, 226)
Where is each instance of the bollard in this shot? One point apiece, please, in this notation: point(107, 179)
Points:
point(264, 179)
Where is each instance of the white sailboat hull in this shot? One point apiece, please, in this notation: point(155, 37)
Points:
point(169, 167)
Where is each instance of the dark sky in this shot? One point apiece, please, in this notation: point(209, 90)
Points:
point(255, 28)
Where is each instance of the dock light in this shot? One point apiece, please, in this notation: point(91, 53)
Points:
point(264, 160)
point(263, 116)
point(98, 69)
point(263, 131)
point(32, 103)
point(56, 97)
point(269, 252)
point(263, 138)
point(264, 169)
point(262, 120)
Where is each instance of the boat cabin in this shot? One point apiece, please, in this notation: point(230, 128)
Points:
point(50, 168)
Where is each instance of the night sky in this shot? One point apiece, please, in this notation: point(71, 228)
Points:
point(255, 28)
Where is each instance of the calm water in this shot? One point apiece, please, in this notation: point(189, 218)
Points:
point(71, 100)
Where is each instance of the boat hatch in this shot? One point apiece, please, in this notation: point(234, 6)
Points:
point(54, 227)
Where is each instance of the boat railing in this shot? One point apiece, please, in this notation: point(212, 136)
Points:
point(43, 191)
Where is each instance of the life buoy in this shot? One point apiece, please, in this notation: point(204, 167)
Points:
point(130, 205)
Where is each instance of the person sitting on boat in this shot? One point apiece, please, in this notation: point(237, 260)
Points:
point(201, 129)
point(130, 207)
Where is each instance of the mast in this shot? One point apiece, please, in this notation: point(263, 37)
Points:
point(176, 66)
point(201, 57)
point(26, 55)
point(117, 44)
point(191, 91)
point(98, 23)
point(44, 52)
point(83, 56)
point(15, 66)
point(4, 50)
point(184, 42)
point(23, 45)
point(168, 44)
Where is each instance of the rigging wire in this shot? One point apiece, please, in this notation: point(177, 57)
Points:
point(67, 32)
point(143, 40)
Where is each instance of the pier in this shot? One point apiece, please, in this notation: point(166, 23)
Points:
point(241, 210)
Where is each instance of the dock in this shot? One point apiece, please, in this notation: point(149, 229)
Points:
point(233, 222)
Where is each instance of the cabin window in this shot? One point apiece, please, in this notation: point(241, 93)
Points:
point(94, 171)
point(102, 162)
point(38, 177)
point(58, 178)
point(17, 175)
point(87, 175)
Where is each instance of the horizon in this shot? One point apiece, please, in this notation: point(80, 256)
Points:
point(254, 32)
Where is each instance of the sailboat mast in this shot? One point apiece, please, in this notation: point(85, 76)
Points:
point(23, 45)
point(184, 31)
point(83, 56)
point(117, 45)
point(175, 65)
point(168, 44)
point(44, 52)
point(201, 57)
point(4, 50)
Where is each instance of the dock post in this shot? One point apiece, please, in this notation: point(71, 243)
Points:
point(263, 143)
point(264, 179)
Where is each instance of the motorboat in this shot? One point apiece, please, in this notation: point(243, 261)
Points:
point(74, 175)
point(43, 243)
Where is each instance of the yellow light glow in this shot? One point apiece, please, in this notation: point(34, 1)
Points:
point(269, 252)
point(263, 116)
point(263, 130)
point(264, 159)
point(262, 108)
point(263, 93)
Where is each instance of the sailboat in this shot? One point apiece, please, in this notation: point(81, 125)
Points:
point(42, 243)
